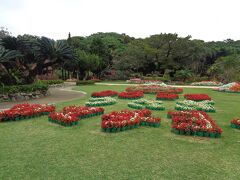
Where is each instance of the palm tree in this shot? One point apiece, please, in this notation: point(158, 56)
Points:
point(8, 62)
point(36, 54)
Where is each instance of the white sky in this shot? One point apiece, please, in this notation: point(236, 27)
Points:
point(203, 19)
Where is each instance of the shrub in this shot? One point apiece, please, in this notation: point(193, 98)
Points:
point(24, 88)
point(87, 82)
point(155, 78)
point(135, 75)
point(51, 82)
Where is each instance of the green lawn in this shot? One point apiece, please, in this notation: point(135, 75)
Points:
point(37, 149)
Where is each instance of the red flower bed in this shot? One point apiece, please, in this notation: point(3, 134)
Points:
point(70, 115)
point(126, 119)
point(83, 111)
point(63, 119)
point(166, 96)
point(131, 95)
point(235, 123)
point(235, 87)
point(197, 123)
point(23, 111)
point(153, 89)
point(104, 93)
point(197, 97)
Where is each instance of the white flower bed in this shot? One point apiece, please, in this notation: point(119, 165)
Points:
point(193, 105)
point(103, 101)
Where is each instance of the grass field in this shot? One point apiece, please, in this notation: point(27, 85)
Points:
point(37, 149)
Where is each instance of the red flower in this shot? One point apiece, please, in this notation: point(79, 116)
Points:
point(104, 93)
point(236, 122)
point(193, 121)
point(25, 110)
point(131, 95)
point(197, 97)
point(82, 111)
point(235, 88)
point(166, 96)
point(152, 89)
point(127, 118)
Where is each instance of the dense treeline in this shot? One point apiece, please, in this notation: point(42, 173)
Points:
point(118, 56)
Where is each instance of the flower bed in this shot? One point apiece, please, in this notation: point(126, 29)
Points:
point(235, 123)
point(25, 111)
point(135, 105)
point(193, 105)
point(167, 96)
point(135, 81)
point(83, 111)
point(231, 87)
point(153, 89)
point(104, 93)
point(131, 95)
point(196, 123)
point(63, 119)
point(142, 81)
point(207, 83)
point(197, 97)
point(143, 103)
point(71, 115)
point(103, 101)
point(124, 120)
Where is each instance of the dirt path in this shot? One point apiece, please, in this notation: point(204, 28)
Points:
point(204, 87)
point(55, 95)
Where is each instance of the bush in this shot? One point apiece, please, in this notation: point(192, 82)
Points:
point(24, 88)
point(88, 82)
point(51, 82)
point(183, 75)
point(153, 78)
point(135, 75)
point(115, 75)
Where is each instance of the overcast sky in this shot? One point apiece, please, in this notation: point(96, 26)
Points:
point(203, 19)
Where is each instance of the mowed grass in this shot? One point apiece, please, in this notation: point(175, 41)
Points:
point(38, 149)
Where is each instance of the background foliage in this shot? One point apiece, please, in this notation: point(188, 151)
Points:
point(117, 56)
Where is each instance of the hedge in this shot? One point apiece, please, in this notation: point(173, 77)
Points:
point(87, 82)
point(23, 88)
point(51, 82)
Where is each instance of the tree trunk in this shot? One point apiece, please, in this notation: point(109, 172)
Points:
point(62, 74)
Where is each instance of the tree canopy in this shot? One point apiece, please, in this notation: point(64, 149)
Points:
point(166, 55)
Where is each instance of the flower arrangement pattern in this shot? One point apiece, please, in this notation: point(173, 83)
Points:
point(167, 96)
point(102, 101)
point(233, 87)
point(144, 103)
point(123, 120)
point(107, 93)
point(25, 111)
point(153, 89)
point(197, 97)
point(207, 83)
point(193, 105)
point(196, 123)
point(131, 95)
point(70, 115)
point(235, 123)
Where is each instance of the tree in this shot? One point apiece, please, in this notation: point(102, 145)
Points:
point(137, 56)
point(86, 63)
point(7, 65)
point(36, 54)
point(183, 75)
point(226, 68)
point(4, 32)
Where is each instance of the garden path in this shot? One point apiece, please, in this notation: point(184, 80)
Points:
point(56, 94)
